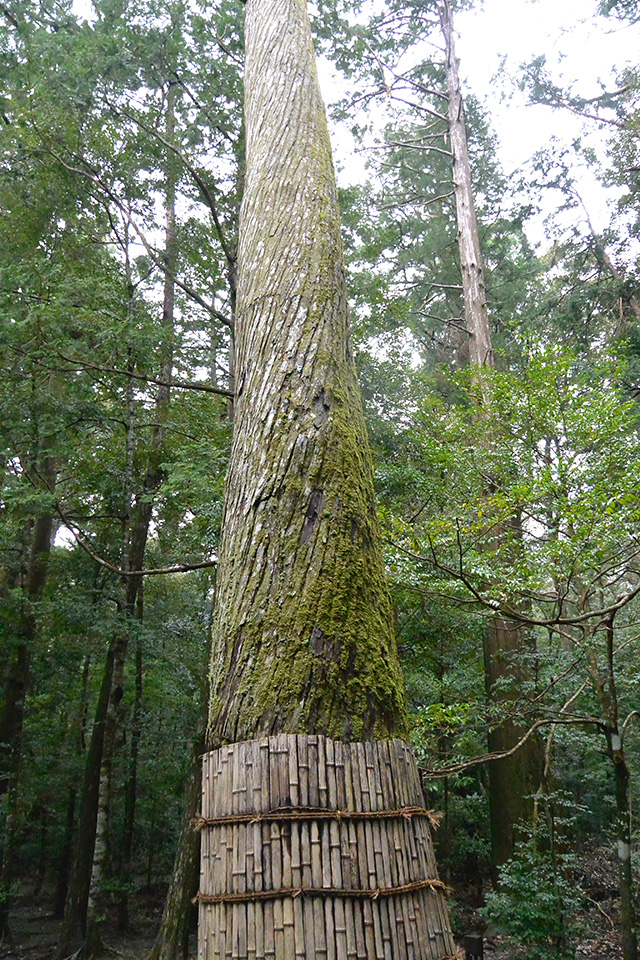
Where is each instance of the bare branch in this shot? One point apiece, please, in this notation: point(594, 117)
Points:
point(455, 768)
point(196, 175)
point(79, 537)
point(510, 612)
point(182, 384)
point(125, 210)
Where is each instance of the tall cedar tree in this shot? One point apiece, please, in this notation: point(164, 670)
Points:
point(302, 634)
point(514, 779)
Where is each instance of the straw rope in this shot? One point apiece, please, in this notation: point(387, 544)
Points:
point(294, 892)
point(318, 813)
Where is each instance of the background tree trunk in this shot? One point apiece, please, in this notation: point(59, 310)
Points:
point(174, 928)
point(13, 706)
point(512, 781)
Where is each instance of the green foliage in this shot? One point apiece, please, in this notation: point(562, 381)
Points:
point(536, 904)
point(563, 455)
point(551, 461)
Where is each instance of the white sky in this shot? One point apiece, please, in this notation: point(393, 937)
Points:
point(579, 48)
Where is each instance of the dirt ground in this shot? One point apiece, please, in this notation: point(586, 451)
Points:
point(34, 932)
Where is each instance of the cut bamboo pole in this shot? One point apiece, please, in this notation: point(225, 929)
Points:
point(317, 849)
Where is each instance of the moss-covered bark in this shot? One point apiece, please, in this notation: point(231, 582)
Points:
point(302, 637)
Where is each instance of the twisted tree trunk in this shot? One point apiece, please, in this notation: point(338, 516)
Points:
point(302, 639)
point(302, 635)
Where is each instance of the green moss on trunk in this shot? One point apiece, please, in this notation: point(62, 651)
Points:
point(302, 638)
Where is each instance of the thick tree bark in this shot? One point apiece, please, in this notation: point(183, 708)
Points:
point(302, 635)
point(302, 638)
point(512, 781)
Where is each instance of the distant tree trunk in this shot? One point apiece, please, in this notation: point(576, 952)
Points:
point(625, 871)
point(173, 934)
point(13, 706)
point(512, 781)
point(605, 688)
point(131, 786)
point(86, 909)
point(302, 634)
point(145, 501)
point(178, 906)
point(75, 912)
point(113, 727)
point(628, 298)
point(471, 265)
point(64, 865)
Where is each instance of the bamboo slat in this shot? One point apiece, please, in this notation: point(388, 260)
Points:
point(309, 884)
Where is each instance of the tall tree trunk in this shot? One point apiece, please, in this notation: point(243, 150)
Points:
point(302, 637)
point(13, 706)
point(512, 781)
point(64, 865)
point(134, 547)
point(625, 872)
point(605, 687)
point(73, 932)
point(471, 266)
point(302, 634)
point(113, 729)
point(131, 786)
point(178, 906)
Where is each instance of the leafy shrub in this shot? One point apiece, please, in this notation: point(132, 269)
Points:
point(536, 903)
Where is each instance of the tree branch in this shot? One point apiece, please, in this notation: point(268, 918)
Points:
point(463, 765)
point(182, 384)
point(153, 572)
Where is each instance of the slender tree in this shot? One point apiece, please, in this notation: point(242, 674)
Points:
point(514, 779)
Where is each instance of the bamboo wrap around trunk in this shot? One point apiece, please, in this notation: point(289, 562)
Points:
point(315, 848)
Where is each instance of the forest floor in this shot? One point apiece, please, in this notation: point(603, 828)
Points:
point(34, 932)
